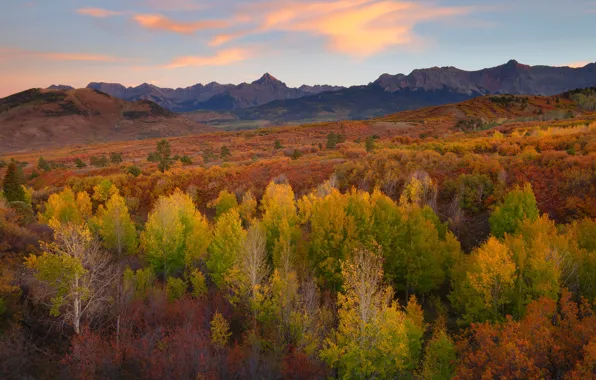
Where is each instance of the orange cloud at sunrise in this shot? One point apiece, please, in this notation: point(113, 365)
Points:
point(359, 28)
point(98, 12)
point(221, 58)
point(159, 22)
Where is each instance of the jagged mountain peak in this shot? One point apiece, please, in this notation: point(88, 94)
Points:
point(269, 80)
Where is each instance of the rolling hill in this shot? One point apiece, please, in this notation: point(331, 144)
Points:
point(43, 118)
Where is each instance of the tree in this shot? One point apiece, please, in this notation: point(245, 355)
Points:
point(104, 190)
point(66, 207)
point(440, 357)
point(116, 228)
point(99, 162)
point(277, 205)
point(76, 272)
point(226, 246)
point(375, 338)
point(519, 204)
point(220, 331)
point(277, 145)
point(186, 160)
point(333, 139)
point(134, 170)
point(115, 158)
point(248, 207)
point(12, 185)
point(79, 163)
point(484, 283)
point(176, 235)
point(369, 144)
point(162, 155)
point(44, 165)
point(253, 259)
point(225, 202)
point(225, 152)
point(333, 236)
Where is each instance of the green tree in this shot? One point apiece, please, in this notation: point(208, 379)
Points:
point(369, 144)
point(104, 190)
point(440, 357)
point(134, 170)
point(375, 337)
point(115, 158)
point(225, 202)
point(44, 165)
point(277, 145)
point(226, 246)
point(12, 185)
point(99, 162)
point(483, 284)
point(225, 152)
point(186, 160)
point(175, 288)
point(116, 228)
point(163, 153)
point(333, 139)
point(519, 204)
point(278, 207)
point(79, 163)
point(77, 273)
point(176, 235)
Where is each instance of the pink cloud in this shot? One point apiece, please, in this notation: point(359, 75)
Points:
point(159, 22)
point(98, 12)
point(359, 28)
point(221, 58)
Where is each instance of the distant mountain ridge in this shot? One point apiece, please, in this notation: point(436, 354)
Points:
point(511, 78)
point(213, 96)
point(270, 99)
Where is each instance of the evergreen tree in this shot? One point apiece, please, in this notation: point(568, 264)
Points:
point(44, 165)
point(13, 183)
point(163, 155)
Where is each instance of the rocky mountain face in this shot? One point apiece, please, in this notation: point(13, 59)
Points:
point(511, 78)
point(213, 96)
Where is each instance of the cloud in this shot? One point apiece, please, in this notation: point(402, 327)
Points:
point(15, 54)
point(221, 58)
point(359, 28)
point(159, 22)
point(98, 12)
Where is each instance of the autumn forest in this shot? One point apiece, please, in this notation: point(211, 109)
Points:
point(419, 245)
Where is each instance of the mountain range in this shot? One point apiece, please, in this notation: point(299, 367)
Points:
point(272, 100)
point(212, 96)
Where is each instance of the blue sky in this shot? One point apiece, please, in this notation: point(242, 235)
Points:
point(177, 43)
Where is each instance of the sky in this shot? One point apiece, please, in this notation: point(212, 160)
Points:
point(178, 43)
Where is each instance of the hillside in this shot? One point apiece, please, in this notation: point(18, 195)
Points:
point(43, 118)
